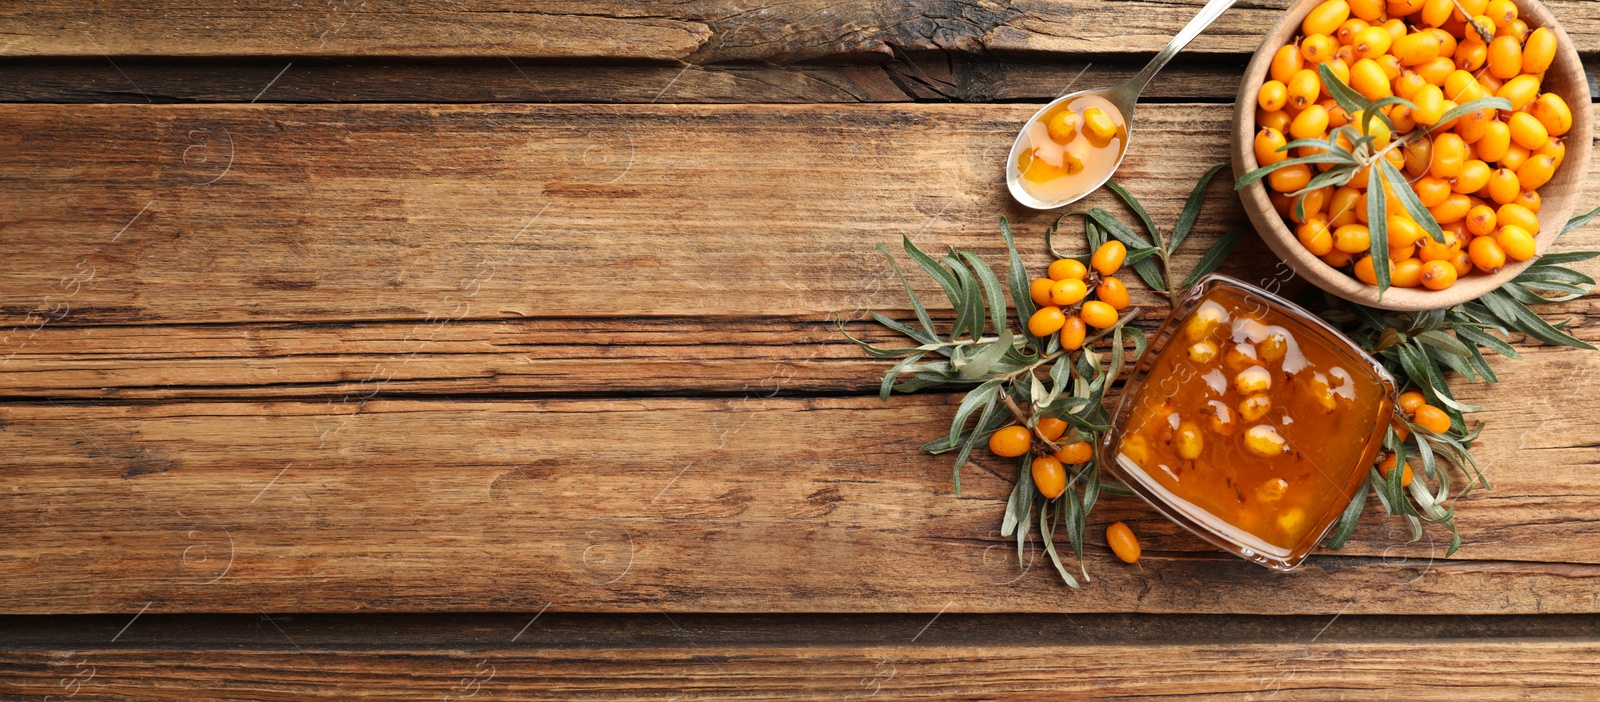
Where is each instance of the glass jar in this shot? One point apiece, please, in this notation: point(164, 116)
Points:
point(1250, 421)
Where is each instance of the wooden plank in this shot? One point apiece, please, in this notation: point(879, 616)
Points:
point(1483, 669)
point(664, 31)
point(730, 505)
point(143, 214)
point(938, 76)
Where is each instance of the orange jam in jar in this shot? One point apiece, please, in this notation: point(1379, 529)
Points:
point(1251, 422)
point(1070, 148)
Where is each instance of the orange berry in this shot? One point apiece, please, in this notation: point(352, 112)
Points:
point(1486, 254)
point(1505, 57)
point(1513, 214)
point(1121, 538)
point(1538, 170)
point(1367, 272)
point(1098, 314)
point(1325, 18)
point(1387, 466)
point(1267, 143)
point(1449, 153)
point(1011, 441)
point(1290, 178)
point(1046, 321)
point(1528, 131)
point(1075, 453)
point(1049, 477)
point(1112, 292)
point(1407, 272)
point(1312, 122)
point(1315, 236)
point(1273, 95)
point(1109, 257)
point(1433, 419)
point(1066, 268)
point(1073, 333)
point(1481, 220)
point(1352, 239)
point(1410, 400)
point(1416, 48)
point(1539, 51)
point(1438, 275)
point(1285, 63)
point(1553, 113)
point(1517, 242)
point(1050, 428)
point(1039, 290)
point(1068, 292)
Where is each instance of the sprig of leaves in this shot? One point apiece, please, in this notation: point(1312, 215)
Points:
point(1420, 349)
point(1354, 149)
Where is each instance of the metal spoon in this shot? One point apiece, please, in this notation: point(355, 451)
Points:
point(1124, 97)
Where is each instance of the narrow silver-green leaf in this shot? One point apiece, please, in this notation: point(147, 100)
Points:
point(1214, 257)
point(1378, 226)
point(1408, 199)
point(1191, 208)
point(991, 288)
point(988, 356)
point(916, 304)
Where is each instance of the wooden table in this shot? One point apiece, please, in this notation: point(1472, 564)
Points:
point(362, 350)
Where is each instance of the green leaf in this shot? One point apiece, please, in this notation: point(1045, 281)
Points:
point(1487, 340)
point(893, 373)
point(916, 304)
point(1136, 256)
point(986, 358)
point(1444, 342)
point(1526, 321)
point(1117, 229)
point(1408, 198)
point(1050, 548)
point(1568, 257)
point(1348, 520)
point(1191, 208)
point(946, 279)
point(1133, 204)
point(969, 304)
point(1579, 221)
point(1021, 298)
point(1264, 171)
point(1214, 257)
point(969, 404)
point(991, 289)
point(1378, 226)
point(1459, 111)
point(1349, 99)
point(979, 433)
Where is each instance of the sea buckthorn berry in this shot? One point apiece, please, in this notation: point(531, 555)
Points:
point(1050, 428)
point(1011, 441)
point(1098, 314)
point(1489, 83)
point(1073, 333)
point(1435, 71)
point(1290, 178)
point(1436, 12)
point(1481, 220)
point(1039, 290)
point(1529, 199)
point(1273, 95)
point(1462, 263)
point(1122, 542)
point(1407, 273)
point(1505, 57)
point(1452, 210)
point(1450, 152)
point(1098, 126)
point(1338, 259)
point(1473, 126)
point(1438, 275)
point(1065, 268)
point(1473, 177)
point(1520, 91)
point(1416, 48)
point(1046, 321)
point(1286, 62)
point(1253, 381)
point(1109, 257)
point(1369, 10)
point(1317, 48)
point(1062, 126)
point(1367, 78)
point(1429, 103)
point(1486, 254)
point(1202, 351)
point(1410, 400)
point(1049, 477)
point(1372, 42)
point(1273, 348)
point(1255, 407)
point(1112, 292)
point(1462, 86)
point(1315, 236)
point(1075, 453)
point(1325, 18)
point(1387, 466)
point(1202, 323)
point(1503, 186)
point(1495, 142)
point(1528, 131)
point(1402, 8)
point(1448, 106)
point(1516, 155)
point(1189, 441)
point(1352, 238)
point(1433, 419)
point(1341, 206)
point(1241, 356)
point(1439, 250)
point(1553, 113)
point(1068, 292)
point(1539, 169)
point(1502, 12)
point(1366, 270)
point(1431, 191)
point(1539, 51)
point(1269, 140)
point(1346, 33)
point(1556, 149)
point(1263, 440)
point(1517, 242)
point(1304, 87)
point(1277, 120)
point(1471, 57)
point(1407, 84)
point(1516, 29)
point(1512, 214)
point(1418, 154)
point(1403, 230)
point(1401, 253)
point(1311, 203)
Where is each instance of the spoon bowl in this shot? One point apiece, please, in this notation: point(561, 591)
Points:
point(1124, 98)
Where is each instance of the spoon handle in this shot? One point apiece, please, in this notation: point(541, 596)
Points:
point(1129, 92)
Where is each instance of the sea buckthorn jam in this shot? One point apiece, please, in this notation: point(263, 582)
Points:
point(1253, 424)
point(1071, 148)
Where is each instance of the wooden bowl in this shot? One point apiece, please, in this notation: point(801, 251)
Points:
point(1560, 195)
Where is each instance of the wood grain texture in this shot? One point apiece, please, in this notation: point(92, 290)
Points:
point(705, 32)
point(263, 213)
point(1487, 669)
point(735, 505)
